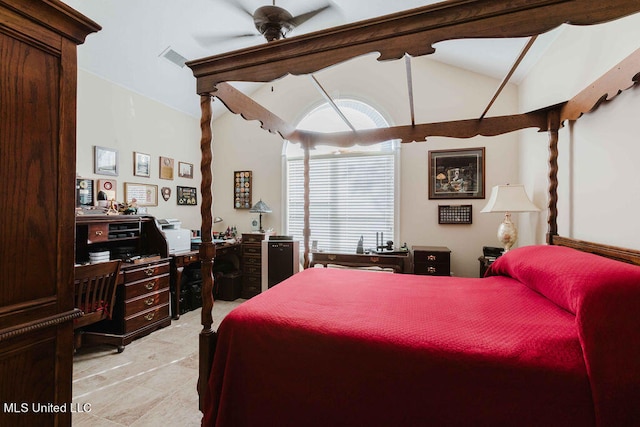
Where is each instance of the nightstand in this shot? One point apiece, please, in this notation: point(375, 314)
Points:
point(431, 260)
point(485, 262)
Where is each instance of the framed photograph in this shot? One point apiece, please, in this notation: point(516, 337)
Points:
point(166, 168)
point(185, 170)
point(105, 161)
point(141, 164)
point(187, 196)
point(456, 174)
point(242, 190)
point(145, 194)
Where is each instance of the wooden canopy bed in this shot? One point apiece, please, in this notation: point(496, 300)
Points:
point(527, 346)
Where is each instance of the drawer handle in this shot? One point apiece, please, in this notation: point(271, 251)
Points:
point(374, 259)
point(150, 285)
point(149, 301)
point(98, 232)
point(431, 258)
point(431, 269)
point(332, 257)
point(150, 271)
point(150, 316)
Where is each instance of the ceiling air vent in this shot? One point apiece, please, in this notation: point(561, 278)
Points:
point(174, 57)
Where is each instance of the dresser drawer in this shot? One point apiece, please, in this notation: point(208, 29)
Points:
point(145, 286)
point(144, 302)
point(252, 238)
point(144, 318)
point(145, 271)
point(252, 270)
point(252, 260)
point(251, 286)
point(251, 250)
point(98, 233)
point(431, 260)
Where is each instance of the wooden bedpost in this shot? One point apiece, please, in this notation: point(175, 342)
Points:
point(307, 229)
point(553, 124)
point(207, 250)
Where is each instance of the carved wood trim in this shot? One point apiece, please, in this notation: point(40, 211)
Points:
point(239, 103)
point(412, 32)
point(618, 79)
point(46, 322)
point(630, 256)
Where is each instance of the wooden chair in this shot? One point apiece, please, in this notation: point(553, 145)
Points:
point(94, 294)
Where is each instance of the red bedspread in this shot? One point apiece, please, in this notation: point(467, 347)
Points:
point(355, 348)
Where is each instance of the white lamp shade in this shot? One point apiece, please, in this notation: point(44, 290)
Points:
point(509, 198)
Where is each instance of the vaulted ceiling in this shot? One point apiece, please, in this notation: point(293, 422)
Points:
point(142, 40)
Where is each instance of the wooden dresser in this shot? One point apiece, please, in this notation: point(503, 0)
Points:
point(38, 82)
point(431, 260)
point(251, 264)
point(142, 297)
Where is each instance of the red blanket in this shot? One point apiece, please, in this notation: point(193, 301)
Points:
point(354, 348)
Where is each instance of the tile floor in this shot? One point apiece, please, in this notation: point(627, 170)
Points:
point(151, 383)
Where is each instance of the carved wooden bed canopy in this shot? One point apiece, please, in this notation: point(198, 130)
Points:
point(413, 33)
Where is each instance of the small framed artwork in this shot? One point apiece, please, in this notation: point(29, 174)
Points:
point(144, 194)
point(166, 168)
point(105, 191)
point(455, 214)
point(84, 192)
point(105, 161)
point(185, 170)
point(187, 196)
point(141, 164)
point(242, 190)
point(456, 174)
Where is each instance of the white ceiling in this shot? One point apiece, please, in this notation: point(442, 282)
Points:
point(128, 51)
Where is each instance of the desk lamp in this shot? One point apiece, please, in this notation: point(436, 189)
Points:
point(507, 199)
point(260, 207)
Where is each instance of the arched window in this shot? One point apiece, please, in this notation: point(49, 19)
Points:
point(352, 190)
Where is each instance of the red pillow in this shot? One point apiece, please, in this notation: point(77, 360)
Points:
point(565, 275)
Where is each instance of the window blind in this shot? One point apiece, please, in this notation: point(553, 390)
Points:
point(351, 195)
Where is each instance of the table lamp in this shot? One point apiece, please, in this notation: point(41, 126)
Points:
point(507, 199)
point(260, 207)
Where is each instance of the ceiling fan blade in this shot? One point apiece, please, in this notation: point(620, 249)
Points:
point(206, 40)
point(301, 19)
point(236, 4)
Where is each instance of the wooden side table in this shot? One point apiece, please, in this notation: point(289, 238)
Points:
point(485, 263)
point(400, 263)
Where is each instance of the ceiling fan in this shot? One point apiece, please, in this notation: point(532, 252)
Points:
point(271, 21)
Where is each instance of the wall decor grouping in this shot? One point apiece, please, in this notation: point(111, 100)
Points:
point(242, 189)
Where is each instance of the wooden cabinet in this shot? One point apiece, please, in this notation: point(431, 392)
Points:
point(431, 260)
point(251, 264)
point(38, 83)
point(143, 297)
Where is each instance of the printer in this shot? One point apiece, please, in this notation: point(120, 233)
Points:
point(178, 239)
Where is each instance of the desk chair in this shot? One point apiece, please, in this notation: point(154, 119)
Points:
point(94, 294)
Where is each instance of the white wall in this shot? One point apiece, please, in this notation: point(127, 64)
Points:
point(599, 152)
point(441, 93)
point(114, 117)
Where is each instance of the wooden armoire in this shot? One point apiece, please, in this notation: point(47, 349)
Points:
point(38, 81)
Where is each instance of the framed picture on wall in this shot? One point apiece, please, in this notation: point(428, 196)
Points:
point(187, 196)
point(185, 170)
point(145, 194)
point(166, 167)
point(141, 164)
point(456, 174)
point(105, 161)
